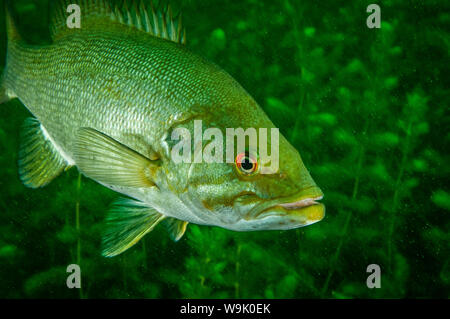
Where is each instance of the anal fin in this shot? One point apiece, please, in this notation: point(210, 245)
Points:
point(39, 160)
point(126, 223)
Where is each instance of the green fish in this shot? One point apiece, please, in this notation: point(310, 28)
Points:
point(107, 98)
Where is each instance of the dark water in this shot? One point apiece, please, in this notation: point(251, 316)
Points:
point(366, 108)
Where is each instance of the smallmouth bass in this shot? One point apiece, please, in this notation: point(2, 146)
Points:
point(107, 98)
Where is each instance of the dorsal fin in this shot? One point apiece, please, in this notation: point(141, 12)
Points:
point(159, 23)
point(143, 16)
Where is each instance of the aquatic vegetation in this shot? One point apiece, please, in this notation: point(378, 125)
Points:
point(367, 108)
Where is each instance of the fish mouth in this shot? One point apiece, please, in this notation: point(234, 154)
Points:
point(305, 211)
point(302, 212)
point(299, 210)
point(301, 203)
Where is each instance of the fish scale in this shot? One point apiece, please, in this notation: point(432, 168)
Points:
point(97, 70)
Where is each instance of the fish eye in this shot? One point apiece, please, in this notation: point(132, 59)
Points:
point(246, 164)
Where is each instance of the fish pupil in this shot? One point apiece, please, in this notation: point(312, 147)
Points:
point(247, 164)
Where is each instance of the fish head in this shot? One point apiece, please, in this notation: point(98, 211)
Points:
point(250, 193)
point(286, 198)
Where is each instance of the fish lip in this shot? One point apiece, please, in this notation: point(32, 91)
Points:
point(290, 207)
point(301, 203)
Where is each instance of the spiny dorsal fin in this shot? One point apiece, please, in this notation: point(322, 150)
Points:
point(126, 223)
point(159, 23)
point(39, 160)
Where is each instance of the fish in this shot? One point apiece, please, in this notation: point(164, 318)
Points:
point(107, 98)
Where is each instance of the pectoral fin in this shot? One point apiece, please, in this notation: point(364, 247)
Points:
point(126, 223)
point(175, 227)
point(39, 160)
point(106, 160)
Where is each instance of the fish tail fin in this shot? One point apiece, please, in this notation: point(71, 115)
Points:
point(12, 36)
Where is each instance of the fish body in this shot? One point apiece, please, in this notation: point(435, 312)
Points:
point(107, 98)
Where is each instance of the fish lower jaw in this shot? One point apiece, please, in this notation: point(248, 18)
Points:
point(297, 214)
point(279, 218)
point(307, 215)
